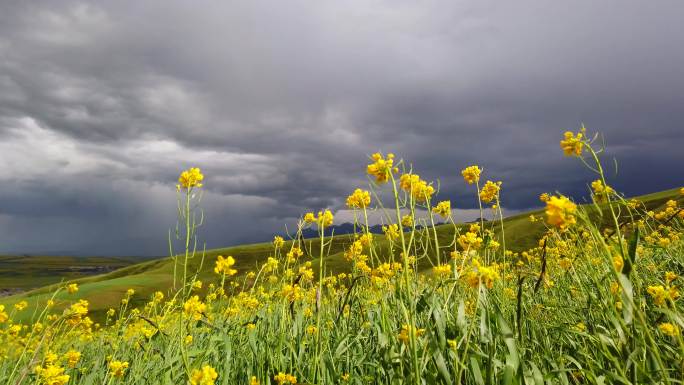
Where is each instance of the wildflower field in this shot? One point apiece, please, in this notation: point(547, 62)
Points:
point(571, 294)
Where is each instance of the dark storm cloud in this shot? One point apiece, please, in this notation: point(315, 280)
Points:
point(102, 103)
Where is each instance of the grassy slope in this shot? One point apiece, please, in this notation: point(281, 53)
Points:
point(31, 271)
point(106, 290)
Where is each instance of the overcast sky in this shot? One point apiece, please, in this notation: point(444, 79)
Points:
point(281, 102)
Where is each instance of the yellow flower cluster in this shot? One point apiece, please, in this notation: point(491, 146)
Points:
point(601, 191)
point(490, 191)
point(205, 376)
point(669, 329)
point(407, 330)
point(381, 167)
point(442, 271)
point(118, 368)
point(471, 240)
point(560, 212)
point(572, 144)
point(194, 308)
point(471, 174)
point(278, 242)
point(662, 294)
point(285, 379)
point(479, 273)
point(391, 231)
point(294, 253)
point(359, 199)
point(52, 374)
point(72, 288)
point(190, 178)
point(224, 266)
point(407, 220)
point(419, 189)
point(443, 209)
point(323, 220)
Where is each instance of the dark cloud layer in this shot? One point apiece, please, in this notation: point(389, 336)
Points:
point(102, 103)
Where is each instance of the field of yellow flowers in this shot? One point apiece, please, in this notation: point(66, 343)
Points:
point(595, 301)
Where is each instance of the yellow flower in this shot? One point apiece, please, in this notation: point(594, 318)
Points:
point(278, 242)
point(572, 144)
point(294, 253)
point(283, 378)
point(345, 377)
point(325, 218)
point(490, 191)
point(471, 174)
point(118, 368)
point(111, 312)
point(253, 381)
point(442, 271)
point(188, 339)
point(381, 167)
point(191, 178)
point(407, 220)
point(194, 308)
point(662, 294)
point(669, 329)
point(3, 315)
point(560, 212)
point(443, 208)
point(618, 263)
point(309, 218)
point(359, 199)
point(20, 305)
point(196, 285)
point(669, 277)
point(72, 288)
point(158, 296)
point(206, 376)
point(224, 266)
point(52, 375)
point(391, 231)
point(72, 357)
point(311, 329)
point(601, 191)
point(130, 292)
point(544, 197)
point(406, 331)
point(419, 189)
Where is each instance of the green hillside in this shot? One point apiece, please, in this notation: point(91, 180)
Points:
point(106, 290)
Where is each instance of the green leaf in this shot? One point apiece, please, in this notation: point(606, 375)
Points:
point(477, 374)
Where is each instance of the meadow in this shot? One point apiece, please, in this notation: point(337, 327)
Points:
point(570, 294)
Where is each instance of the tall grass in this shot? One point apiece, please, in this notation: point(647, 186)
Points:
point(596, 301)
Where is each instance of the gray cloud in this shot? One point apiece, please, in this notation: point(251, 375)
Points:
point(102, 103)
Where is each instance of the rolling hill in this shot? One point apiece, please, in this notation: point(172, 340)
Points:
point(106, 290)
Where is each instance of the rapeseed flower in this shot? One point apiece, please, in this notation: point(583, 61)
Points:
point(224, 266)
point(190, 178)
point(443, 209)
point(285, 379)
point(72, 288)
point(52, 375)
point(669, 329)
point(359, 199)
point(118, 368)
point(572, 144)
point(381, 167)
point(471, 174)
point(490, 191)
point(194, 308)
point(560, 212)
point(206, 376)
